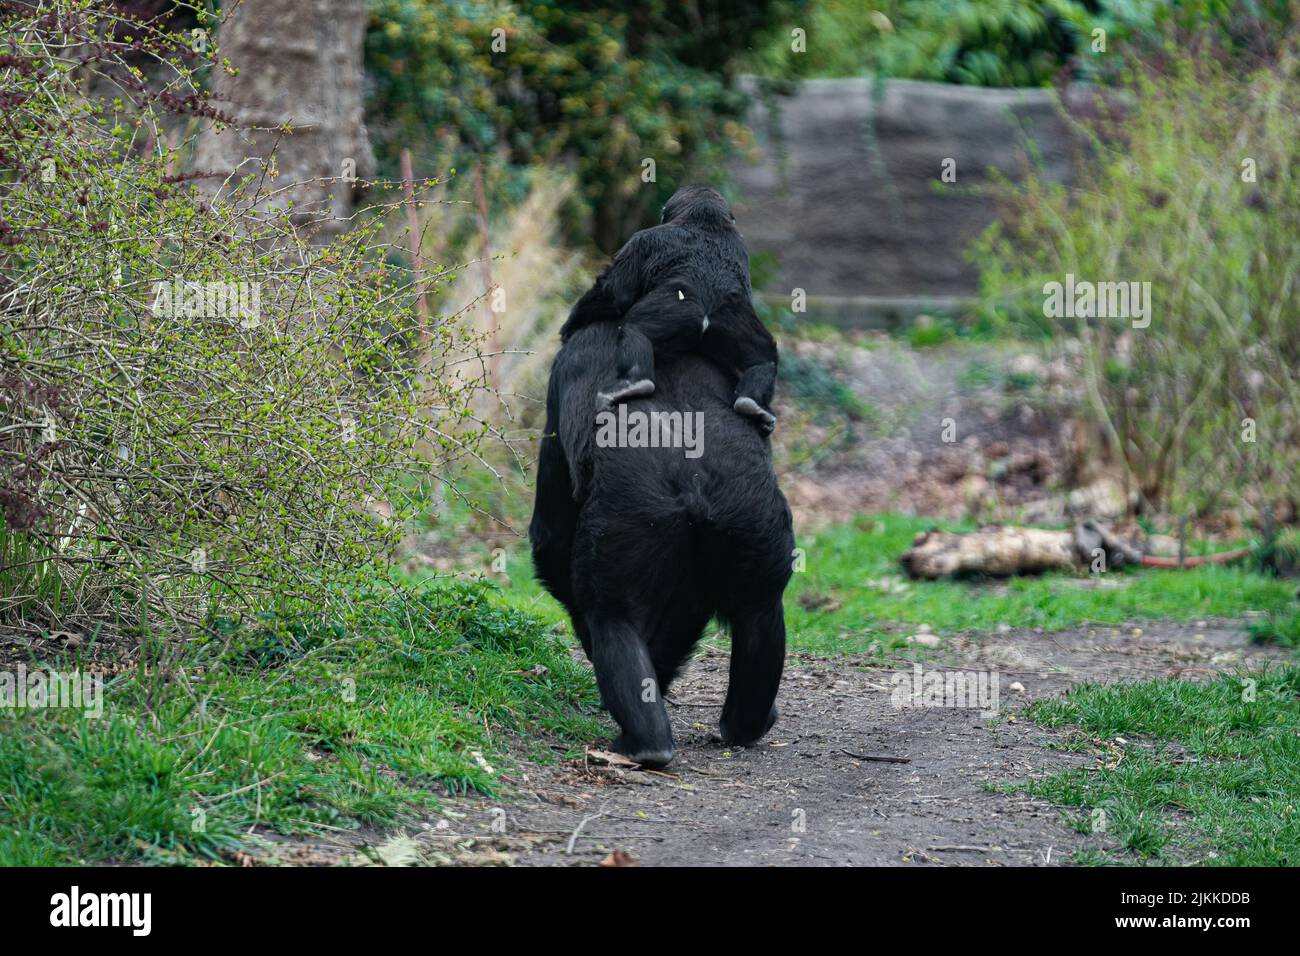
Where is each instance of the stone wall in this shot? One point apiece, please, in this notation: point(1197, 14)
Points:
point(854, 211)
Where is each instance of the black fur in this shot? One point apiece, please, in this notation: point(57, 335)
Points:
point(657, 544)
point(664, 284)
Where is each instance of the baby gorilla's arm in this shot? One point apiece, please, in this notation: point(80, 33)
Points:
point(667, 323)
point(613, 292)
point(738, 340)
point(754, 381)
point(635, 361)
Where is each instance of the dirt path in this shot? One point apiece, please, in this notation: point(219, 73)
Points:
point(805, 795)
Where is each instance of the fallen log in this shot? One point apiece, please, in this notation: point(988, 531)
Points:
point(1004, 550)
point(998, 551)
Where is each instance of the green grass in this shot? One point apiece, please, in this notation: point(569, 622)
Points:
point(1277, 627)
point(298, 729)
point(852, 596)
point(301, 728)
point(1206, 772)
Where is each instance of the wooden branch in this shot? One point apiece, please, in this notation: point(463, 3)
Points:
point(1004, 550)
point(999, 551)
point(878, 758)
point(1195, 561)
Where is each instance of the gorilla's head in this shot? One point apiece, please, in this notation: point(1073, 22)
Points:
point(698, 206)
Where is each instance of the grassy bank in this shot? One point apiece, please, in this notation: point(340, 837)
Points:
point(1185, 771)
point(293, 729)
point(301, 729)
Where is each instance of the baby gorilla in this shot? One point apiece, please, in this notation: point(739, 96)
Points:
point(679, 287)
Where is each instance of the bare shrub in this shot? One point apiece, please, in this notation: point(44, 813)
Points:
point(201, 413)
point(1194, 189)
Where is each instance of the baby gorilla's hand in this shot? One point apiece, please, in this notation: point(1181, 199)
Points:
point(623, 391)
point(750, 408)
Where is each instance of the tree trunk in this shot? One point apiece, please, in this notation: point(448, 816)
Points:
point(300, 63)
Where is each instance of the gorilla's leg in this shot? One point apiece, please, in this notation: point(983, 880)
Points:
point(756, 382)
point(738, 340)
point(665, 323)
point(675, 633)
point(629, 688)
point(757, 658)
point(635, 362)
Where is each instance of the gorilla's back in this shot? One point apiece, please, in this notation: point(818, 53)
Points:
point(712, 452)
point(651, 523)
point(698, 514)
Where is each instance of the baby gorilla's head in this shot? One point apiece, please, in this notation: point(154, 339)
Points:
point(698, 206)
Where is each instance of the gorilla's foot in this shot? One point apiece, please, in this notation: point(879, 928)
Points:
point(737, 734)
point(751, 409)
point(623, 391)
point(647, 755)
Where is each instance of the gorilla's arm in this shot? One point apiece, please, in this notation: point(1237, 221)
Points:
point(615, 289)
point(564, 465)
point(555, 514)
point(739, 342)
point(665, 324)
point(669, 323)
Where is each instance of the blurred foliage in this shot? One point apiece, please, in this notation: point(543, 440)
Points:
point(822, 389)
point(596, 87)
point(1276, 627)
point(1005, 42)
point(982, 42)
point(600, 86)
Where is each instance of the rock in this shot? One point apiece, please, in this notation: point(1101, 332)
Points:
point(925, 640)
point(811, 198)
point(1016, 687)
point(1010, 656)
point(1048, 511)
point(973, 490)
point(1164, 545)
point(1101, 499)
point(1026, 364)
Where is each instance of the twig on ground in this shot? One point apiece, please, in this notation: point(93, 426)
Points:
point(879, 758)
point(573, 837)
point(959, 846)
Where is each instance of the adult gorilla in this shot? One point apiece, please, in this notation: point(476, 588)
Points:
point(658, 544)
